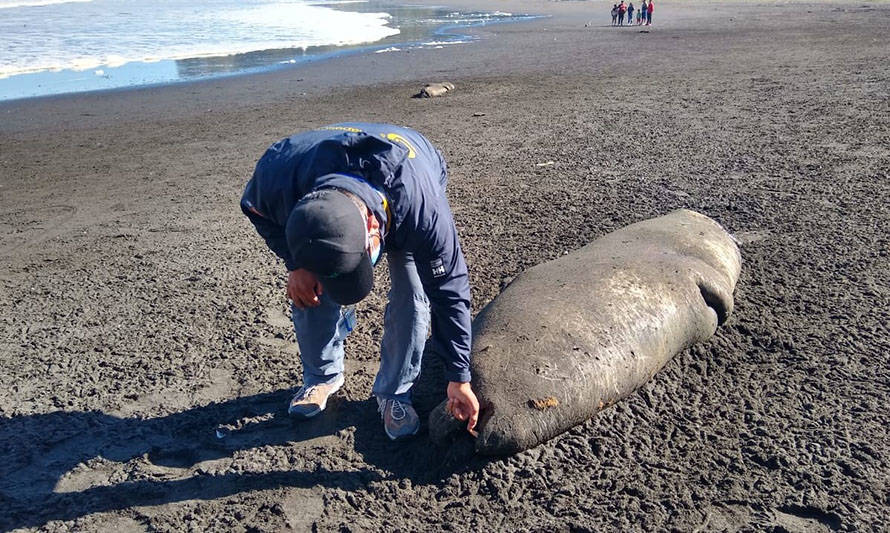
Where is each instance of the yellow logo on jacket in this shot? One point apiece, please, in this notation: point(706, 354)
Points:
point(395, 137)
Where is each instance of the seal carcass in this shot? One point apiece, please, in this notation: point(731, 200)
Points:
point(571, 336)
point(432, 90)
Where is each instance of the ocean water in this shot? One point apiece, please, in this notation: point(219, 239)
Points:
point(63, 46)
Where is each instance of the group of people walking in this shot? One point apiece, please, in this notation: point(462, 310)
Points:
point(644, 13)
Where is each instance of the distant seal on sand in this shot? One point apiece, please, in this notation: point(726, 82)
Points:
point(572, 336)
point(435, 89)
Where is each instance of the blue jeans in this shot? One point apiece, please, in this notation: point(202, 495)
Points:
point(321, 331)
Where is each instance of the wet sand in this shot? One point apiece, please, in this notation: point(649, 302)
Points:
point(140, 309)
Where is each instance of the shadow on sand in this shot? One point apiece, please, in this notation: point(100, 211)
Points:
point(39, 450)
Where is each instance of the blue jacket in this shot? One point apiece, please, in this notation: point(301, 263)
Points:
point(367, 160)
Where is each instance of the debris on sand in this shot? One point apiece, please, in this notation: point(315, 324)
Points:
point(435, 89)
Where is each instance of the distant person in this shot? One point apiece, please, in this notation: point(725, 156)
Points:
point(649, 12)
point(630, 14)
point(622, 9)
point(639, 16)
point(643, 10)
point(614, 14)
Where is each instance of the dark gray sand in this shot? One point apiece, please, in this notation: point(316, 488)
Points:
point(140, 310)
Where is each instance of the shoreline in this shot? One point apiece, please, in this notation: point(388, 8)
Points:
point(215, 67)
point(312, 78)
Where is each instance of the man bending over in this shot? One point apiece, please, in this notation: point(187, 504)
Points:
point(329, 202)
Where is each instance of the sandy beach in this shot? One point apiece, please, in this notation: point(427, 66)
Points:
point(140, 310)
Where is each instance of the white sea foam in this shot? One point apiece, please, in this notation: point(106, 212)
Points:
point(111, 33)
point(9, 4)
point(442, 43)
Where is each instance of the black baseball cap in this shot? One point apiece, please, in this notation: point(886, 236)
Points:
point(327, 235)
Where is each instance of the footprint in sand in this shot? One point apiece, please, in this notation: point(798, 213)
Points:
point(33, 226)
point(748, 237)
point(795, 518)
point(281, 344)
point(276, 318)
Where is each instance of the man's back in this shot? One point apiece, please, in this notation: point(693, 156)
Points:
point(396, 160)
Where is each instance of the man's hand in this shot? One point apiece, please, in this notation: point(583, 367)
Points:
point(303, 288)
point(463, 405)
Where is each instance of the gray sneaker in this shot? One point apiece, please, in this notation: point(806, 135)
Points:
point(400, 420)
point(311, 400)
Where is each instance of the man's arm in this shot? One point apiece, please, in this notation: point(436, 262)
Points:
point(303, 287)
point(443, 273)
point(272, 233)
